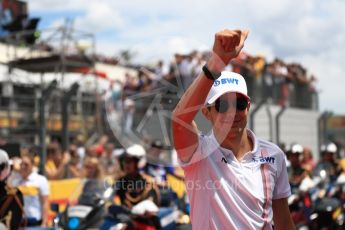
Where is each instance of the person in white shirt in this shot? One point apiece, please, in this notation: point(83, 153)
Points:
point(35, 189)
point(233, 179)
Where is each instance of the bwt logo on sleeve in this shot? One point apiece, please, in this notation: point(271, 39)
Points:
point(226, 81)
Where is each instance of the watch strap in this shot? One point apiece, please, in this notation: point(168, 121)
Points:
point(210, 74)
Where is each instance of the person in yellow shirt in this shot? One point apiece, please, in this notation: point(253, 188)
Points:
point(56, 167)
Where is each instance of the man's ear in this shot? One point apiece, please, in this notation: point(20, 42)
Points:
point(248, 106)
point(206, 112)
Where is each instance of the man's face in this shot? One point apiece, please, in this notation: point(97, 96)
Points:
point(229, 115)
point(295, 159)
point(130, 165)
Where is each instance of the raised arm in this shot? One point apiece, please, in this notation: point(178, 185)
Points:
point(227, 45)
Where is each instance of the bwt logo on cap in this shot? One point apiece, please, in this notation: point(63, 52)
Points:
point(226, 81)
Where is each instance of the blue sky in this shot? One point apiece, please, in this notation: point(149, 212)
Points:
point(311, 32)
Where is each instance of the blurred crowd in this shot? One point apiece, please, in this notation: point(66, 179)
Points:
point(100, 162)
point(301, 164)
point(318, 187)
point(276, 82)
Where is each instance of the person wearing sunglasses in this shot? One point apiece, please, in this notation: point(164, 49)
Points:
point(234, 180)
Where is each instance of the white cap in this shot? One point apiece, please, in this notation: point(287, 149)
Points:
point(228, 82)
point(4, 160)
point(139, 152)
point(3, 157)
point(332, 148)
point(136, 151)
point(297, 148)
point(118, 152)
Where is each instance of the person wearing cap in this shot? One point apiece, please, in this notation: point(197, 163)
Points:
point(11, 199)
point(296, 172)
point(134, 187)
point(233, 179)
point(328, 162)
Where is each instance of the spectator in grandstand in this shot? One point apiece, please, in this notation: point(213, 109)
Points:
point(128, 106)
point(93, 168)
point(146, 79)
point(259, 67)
point(74, 165)
point(308, 163)
point(313, 91)
point(56, 166)
point(233, 179)
point(93, 175)
point(35, 189)
point(11, 199)
point(116, 92)
point(281, 80)
point(185, 69)
point(296, 172)
point(152, 78)
point(160, 71)
point(57, 161)
point(80, 143)
point(268, 84)
point(108, 160)
point(300, 85)
point(259, 63)
point(174, 76)
point(132, 84)
point(199, 60)
point(328, 161)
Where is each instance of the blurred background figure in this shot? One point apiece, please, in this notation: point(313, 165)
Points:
point(35, 190)
point(128, 106)
point(328, 161)
point(110, 160)
point(93, 177)
point(93, 168)
point(11, 199)
point(56, 166)
point(296, 172)
point(308, 163)
point(74, 167)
